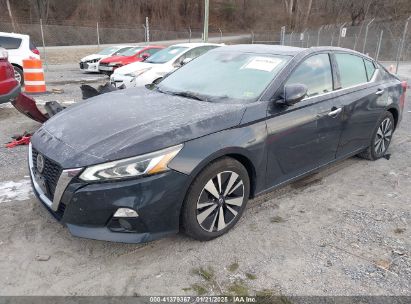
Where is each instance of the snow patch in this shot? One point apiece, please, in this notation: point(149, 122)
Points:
point(15, 191)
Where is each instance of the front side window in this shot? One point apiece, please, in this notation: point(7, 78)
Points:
point(166, 55)
point(10, 43)
point(131, 51)
point(193, 53)
point(352, 70)
point(315, 73)
point(225, 76)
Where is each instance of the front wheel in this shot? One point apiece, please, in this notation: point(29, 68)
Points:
point(18, 74)
point(381, 138)
point(216, 199)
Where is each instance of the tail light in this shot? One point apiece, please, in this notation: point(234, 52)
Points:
point(4, 55)
point(36, 51)
point(404, 86)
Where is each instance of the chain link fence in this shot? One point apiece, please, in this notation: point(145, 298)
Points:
point(382, 40)
point(64, 35)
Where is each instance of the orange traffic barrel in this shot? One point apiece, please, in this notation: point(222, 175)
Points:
point(33, 76)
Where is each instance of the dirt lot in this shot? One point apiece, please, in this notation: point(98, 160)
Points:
point(342, 232)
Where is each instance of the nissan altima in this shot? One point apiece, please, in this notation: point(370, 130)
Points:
point(187, 153)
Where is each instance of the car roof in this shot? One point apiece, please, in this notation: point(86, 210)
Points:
point(282, 49)
point(196, 44)
point(14, 35)
point(261, 49)
point(121, 46)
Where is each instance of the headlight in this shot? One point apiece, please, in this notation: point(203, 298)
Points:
point(137, 73)
point(114, 63)
point(148, 164)
point(92, 60)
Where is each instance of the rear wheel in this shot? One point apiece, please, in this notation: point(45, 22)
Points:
point(216, 199)
point(381, 138)
point(18, 74)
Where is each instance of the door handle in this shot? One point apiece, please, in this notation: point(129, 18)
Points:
point(379, 92)
point(335, 112)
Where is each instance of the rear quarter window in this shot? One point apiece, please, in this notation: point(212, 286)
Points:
point(10, 43)
point(352, 70)
point(370, 68)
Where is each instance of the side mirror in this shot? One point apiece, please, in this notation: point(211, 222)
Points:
point(185, 61)
point(292, 94)
point(145, 56)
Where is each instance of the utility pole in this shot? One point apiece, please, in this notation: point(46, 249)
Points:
point(206, 12)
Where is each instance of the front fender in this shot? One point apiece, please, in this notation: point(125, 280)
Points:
point(248, 142)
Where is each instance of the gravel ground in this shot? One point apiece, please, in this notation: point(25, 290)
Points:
point(344, 231)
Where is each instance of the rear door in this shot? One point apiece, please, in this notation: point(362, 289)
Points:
point(304, 136)
point(364, 97)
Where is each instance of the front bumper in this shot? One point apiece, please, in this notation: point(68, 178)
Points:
point(106, 68)
point(87, 209)
point(89, 66)
point(11, 95)
point(118, 80)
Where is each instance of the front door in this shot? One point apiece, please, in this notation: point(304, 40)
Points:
point(304, 136)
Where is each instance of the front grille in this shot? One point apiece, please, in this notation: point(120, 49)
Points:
point(60, 211)
point(51, 173)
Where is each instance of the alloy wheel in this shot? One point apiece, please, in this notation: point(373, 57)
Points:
point(383, 137)
point(17, 76)
point(220, 201)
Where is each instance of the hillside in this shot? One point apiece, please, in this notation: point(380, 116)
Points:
point(231, 15)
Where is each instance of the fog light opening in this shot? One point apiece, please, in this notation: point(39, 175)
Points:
point(125, 212)
point(124, 223)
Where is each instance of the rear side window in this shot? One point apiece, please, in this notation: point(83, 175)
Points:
point(370, 68)
point(315, 73)
point(352, 70)
point(10, 43)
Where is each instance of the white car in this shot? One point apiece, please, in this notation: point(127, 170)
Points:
point(90, 63)
point(19, 47)
point(138, 74)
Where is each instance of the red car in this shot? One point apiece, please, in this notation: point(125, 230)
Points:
point(9, 86)
point(138, 53)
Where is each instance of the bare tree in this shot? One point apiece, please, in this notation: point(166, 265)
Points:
point(11, 15)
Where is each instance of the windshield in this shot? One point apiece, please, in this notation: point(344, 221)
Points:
point(108, 51)
point(218, 76)
point(130, 52)
point(166, 54)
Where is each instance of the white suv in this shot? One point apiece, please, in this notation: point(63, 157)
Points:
point(19, 47)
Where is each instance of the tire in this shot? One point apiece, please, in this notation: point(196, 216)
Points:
point(201, 213)
point(18, 74)
point(380, 139)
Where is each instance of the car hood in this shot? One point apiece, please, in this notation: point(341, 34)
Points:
point(116, 59)
point(134, 67)
point(128, 123)
point(92, 57)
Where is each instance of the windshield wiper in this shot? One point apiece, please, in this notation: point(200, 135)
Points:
point(188, 95)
